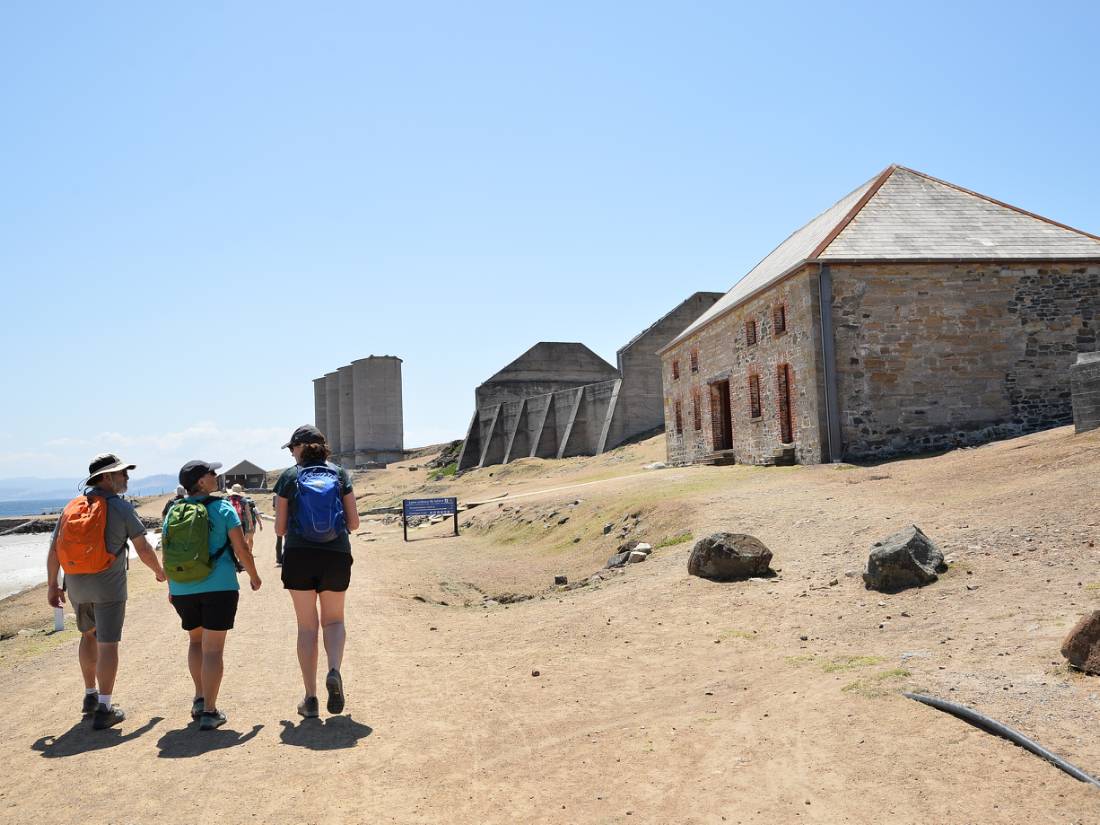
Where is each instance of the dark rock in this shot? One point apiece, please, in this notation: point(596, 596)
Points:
point(618, 560)
point(729, 556)
point(1082, 646)
point(908, 558)
point(607, 528)
point(561, 580)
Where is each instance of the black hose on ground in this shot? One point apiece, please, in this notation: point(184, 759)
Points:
point(996, 728)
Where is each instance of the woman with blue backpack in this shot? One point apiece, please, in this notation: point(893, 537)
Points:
point(315, 511)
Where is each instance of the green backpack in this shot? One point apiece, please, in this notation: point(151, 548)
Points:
point(186, 542)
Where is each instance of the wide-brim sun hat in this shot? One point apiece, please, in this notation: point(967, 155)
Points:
point(105, 463)
point(237, 489)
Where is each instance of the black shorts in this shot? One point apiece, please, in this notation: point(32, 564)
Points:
point(210, 611)
point(306, 568)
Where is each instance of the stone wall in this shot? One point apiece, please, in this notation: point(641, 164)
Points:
point(725, 354)
point(935, 356)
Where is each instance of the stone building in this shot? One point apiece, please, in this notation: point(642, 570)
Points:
point(561, 399)
point(913, 315)
point(359, 409)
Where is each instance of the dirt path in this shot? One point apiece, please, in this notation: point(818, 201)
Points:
point(661, 698)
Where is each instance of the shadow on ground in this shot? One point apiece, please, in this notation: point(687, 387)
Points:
point(190, 741)
point(325, 734)
point(81, 738)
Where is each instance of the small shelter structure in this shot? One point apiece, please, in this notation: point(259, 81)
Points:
point(247, 474)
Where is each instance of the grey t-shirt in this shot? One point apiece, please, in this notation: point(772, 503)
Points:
point(110, 585)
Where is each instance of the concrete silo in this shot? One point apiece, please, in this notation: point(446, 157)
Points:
point(332, 411)
point(320, 404)
point(379, 424)
point(345, 447)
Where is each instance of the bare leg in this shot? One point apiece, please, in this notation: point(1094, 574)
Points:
point(213, 646)
point(106, 666)
point(194, 658)
point(305, 609)
point(88, 655)
point(332, 625)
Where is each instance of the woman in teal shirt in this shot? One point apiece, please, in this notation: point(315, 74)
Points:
point(208, 607)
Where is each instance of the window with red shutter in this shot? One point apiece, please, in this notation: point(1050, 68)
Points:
point(779, 320)
point(695, 360)
point(675, 370)
point(786, 419)
point(697, 410)
point(679, 417)
point(754, 396)
point(750, 332)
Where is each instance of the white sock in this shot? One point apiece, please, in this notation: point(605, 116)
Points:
point(90, 691)
point(105, 700)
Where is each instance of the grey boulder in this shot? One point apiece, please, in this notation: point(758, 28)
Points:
point(906, 559)
point(618, 560)
point(729, 556)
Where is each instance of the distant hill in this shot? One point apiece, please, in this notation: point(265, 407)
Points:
point(23, 489)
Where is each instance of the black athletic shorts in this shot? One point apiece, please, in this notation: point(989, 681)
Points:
point(210, 611)
point(306, 568)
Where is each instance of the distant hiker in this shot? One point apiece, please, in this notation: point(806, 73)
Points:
point(202, 543)
point(278, 538)
point(89, 543)
point(180, 493)
point(315, 509)
point(246, 512)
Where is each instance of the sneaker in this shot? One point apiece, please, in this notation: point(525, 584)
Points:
point(211, 719)
point(106, 717)
point(308, 708)
point(197, 707)
point(91, 702)
point(335, 686)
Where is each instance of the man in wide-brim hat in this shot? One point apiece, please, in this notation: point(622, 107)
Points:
point(99, 599)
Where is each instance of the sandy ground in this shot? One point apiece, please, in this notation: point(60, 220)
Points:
point(660, 698)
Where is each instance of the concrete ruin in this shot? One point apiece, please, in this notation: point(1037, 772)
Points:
point(561, 399)
point(358, 408)
point(1085, 385)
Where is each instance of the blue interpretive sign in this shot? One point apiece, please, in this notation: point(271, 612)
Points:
point(428, 507)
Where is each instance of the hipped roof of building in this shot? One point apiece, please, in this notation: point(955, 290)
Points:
point(905, 215)
point(550, 360)
point(244, 468)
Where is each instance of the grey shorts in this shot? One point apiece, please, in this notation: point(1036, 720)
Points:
point(105, 617)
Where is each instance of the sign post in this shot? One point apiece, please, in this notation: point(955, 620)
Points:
point(428, 507)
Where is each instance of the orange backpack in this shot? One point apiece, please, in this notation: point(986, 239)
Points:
point(82, 541)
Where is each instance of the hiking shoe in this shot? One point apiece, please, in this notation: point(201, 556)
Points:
point(106, 717)
point(197, 707)
point(211, 719)
point(308, 708)
point(335, 686)
point(91, 702)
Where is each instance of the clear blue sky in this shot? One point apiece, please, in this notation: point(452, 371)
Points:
point(205, 206)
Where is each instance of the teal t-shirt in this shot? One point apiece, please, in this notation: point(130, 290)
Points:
point(223, 518)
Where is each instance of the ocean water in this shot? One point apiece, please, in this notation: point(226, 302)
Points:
point(23, 561)
point(32, 507)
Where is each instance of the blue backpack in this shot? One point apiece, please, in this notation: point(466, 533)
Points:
point(319, 504)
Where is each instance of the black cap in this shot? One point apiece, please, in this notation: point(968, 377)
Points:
point(306, 434)
point(192, 471)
